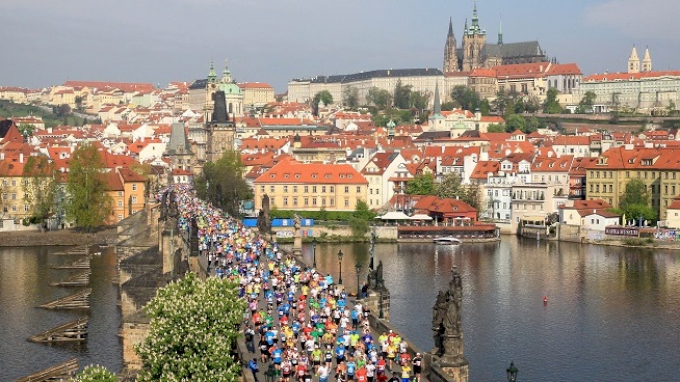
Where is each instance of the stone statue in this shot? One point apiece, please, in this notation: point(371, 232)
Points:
point(446, 318)
point(264, 223)
point(379, 280)
point(297, 223)
point(164, 205)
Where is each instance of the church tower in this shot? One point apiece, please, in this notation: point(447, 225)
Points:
point(450, 52)
point(634, 62)
point(220, 129)
point(474, 39)
point(210, 89)
point(647, 62)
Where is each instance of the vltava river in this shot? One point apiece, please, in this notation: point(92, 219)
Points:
point(25, 275)
point(613, 314)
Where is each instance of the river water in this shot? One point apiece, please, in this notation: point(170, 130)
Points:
point(613, 313)
point(25, 275)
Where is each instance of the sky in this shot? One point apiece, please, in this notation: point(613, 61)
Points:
point(47, 42)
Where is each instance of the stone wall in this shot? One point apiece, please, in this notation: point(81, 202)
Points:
point(133, 334)
point(567, 232)
point(56, 238)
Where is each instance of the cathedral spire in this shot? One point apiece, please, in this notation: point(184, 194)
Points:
point(226, 73)
point(647, 62)
point(465, 31)
point(634, 62)
point(500, 32)
point(437, 101)
point(475, 18)
point(450, 27)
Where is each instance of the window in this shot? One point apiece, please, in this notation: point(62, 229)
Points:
point(346, 202)
point(306, 189)
point(26, 208)
point(120, 204)
point(134, 186)
point(14, 196)
point(295, 200)
point(295, 189)
point(370, 191)
point(134, 199)
point(314, 189)
point(346, 189)
point(14, 183)
point(332, 188)
point(271, 189)
point(120, 217)
point(323, 189)
point(332, 202)
point(285, 200)
point(285, 188)
point(313, 201)
point(4, 196)
point(262, 189)
point(306, 201)
point(323, 201)
point(358, 189)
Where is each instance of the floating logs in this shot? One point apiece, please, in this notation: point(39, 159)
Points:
point(77, 280)
point(83, 263)
point(62, 372)
point(75, 331)
point(80, 300)
point(77, 251)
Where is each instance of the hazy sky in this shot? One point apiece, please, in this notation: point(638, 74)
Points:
point(47, 42)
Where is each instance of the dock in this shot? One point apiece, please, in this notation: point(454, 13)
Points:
point(78, 280)
point(74, 331)
point(83, 263)
point(80, 300)
point(62, 372)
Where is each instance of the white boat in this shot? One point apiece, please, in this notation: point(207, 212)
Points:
point(447, 240)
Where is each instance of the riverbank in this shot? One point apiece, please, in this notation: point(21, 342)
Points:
point(63, 237)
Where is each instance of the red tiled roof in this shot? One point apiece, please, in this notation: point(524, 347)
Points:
point(290, 171)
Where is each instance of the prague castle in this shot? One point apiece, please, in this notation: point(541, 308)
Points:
point(475, 52)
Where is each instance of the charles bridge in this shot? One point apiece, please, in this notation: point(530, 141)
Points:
point(152, 251)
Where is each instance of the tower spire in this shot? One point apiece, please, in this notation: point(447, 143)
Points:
point(647, 62)
point(500, 31)
point(450, 27)
point(437, 101)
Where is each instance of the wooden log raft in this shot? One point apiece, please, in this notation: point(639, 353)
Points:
point(75, 331)
point(62, 372)
point(83, 263)
point(77, 251)
point(77, 280)
point(80, 300)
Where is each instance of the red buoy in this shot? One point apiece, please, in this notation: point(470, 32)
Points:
point(545, 300)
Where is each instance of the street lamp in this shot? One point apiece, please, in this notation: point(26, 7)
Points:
point(314, 249)
point(340, 254)
point(358, 268)
point(372, 250)
point(381, 315)
point(512, 372)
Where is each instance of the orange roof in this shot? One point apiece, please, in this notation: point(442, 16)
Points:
point(130, 176)
point(564, 69)
point(124, 86)
point(255, 85)
point(535, 69)
point(483, 168)
point(630, 76)
point(291, 172)
point(554, 164)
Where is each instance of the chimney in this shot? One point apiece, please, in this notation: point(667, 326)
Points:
point(21, 157)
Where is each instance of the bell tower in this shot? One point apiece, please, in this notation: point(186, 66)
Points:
point(634, 62)
point(647, 62)
point(450, 52)
point(474, 39)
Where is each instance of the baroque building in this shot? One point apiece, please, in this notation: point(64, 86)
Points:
point(475, 52)
point(220, 129)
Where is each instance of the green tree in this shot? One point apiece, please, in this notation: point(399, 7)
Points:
point(26, 129)
point(551, 106)
point(359, 227)
point(495, 128)
point(531, 124)
point(484, 107)
point(39, 186)
point(402, 96)
point(193, 331)
point(381, 98)
point(450, 186)
point(635, 201)
point(448, 106)
point(586, 103)
point(465, 98)
point(420, 100)
point(323, 96)
point(350, 97)
point(363, 212)
point(421, 184)
point(515, 122)
point(95, 373)
point(88, 203)
point(222, 183)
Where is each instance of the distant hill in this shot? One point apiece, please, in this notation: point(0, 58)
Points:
point(9, 109)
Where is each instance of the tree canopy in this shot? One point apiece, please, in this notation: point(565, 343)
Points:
point(88, 203)
point(39, 186)
point(586, 103)
point(421, 184)
point(193, 331)
point(402, 96)
point(323, 96)
point(350, 97)
point(551, 106)
point(222, 183)
point(378, 97)
point(95, 373)
point(634, 202)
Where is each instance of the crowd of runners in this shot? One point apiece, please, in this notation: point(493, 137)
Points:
point(297, 319)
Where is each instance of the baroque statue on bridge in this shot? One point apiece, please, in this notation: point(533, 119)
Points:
point(446, 318)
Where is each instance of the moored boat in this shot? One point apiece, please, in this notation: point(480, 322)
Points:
point(447, 240)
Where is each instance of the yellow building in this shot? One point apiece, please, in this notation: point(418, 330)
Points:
point(292, 185)
point(256, 94)
point(658, 168)
point(127, 190)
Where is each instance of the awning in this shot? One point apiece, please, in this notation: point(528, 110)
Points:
point(395, 215)
point(420, 217)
